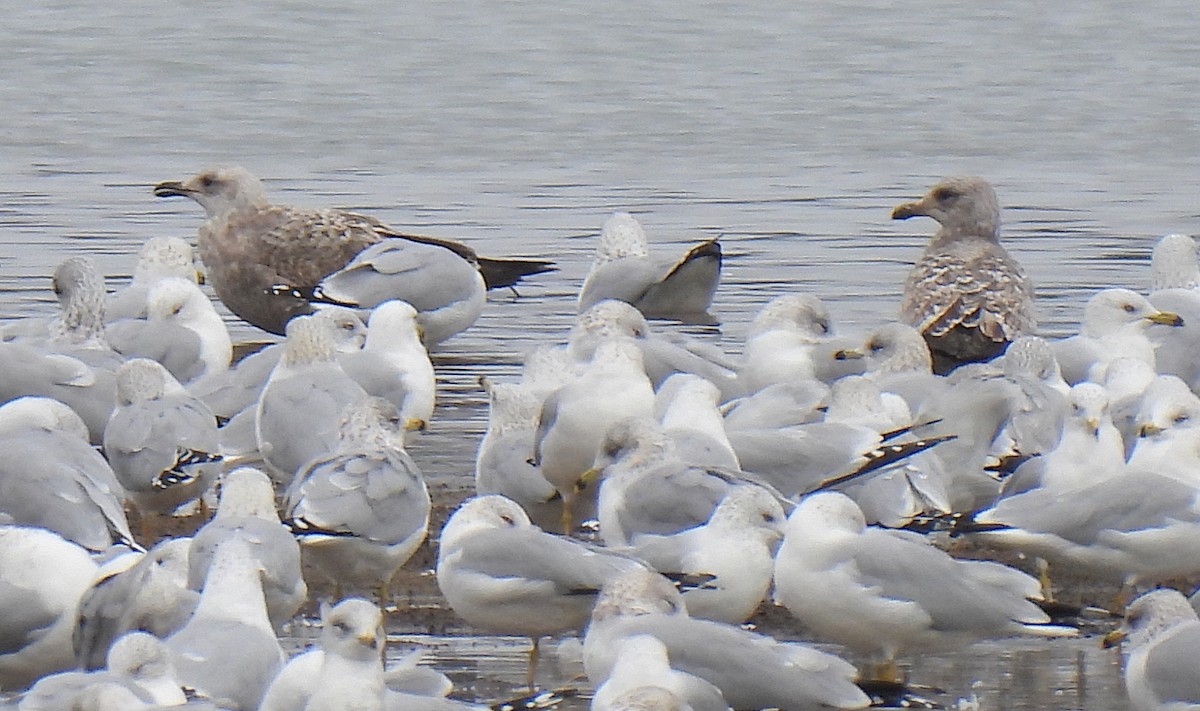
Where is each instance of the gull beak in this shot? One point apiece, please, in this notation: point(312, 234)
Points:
point(414, 424)
point(588, 478)
point(1093, 426)
point(1112, 639)
point(909, 209)
point(367, 639)
point(849, 353)
point(201, 278)
point(1149, 430)
point(1166, 318)
point(171, 188)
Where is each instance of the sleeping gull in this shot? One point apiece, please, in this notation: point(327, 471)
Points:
point(362, 511)
point(51, 477)
point(138, 662)
point(159, 258)
point(1161, 637)
point(250, 246)
point(883, 592)
point(42, 577)
point(687, 407)
point(663, 354)
point(736, 546)
point(624, 270)
point(752, 671)
point(135, 592)
point(502, 462)
point(501, 573)
point(162, 443)
point(641, 662)
point(246, 512)
point(966, 294)
point(181, 329)
point(791, 338)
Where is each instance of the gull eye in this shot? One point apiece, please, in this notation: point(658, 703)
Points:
point(945, 194)
point(207, 181)
point(1129, 308)
point(508, 520)
point(1181, 418)
point(768, 517)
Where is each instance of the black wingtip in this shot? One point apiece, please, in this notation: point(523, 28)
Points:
point(501, 273)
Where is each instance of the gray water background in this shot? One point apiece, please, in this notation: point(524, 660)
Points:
point(788, 128)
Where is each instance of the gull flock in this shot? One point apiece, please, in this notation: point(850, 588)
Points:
point(647, 491)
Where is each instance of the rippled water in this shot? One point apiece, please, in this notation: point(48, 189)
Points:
point(790, 129)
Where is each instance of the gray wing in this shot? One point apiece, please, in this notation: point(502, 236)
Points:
point(427, 276)
point(1173, 666)
point(380, 496)
point(25, 618)
point(175, 347)
point(536, 555)
point(376, 374)
point(673, 497)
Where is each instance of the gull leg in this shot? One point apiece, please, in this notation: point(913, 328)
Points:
point(1044, 580)
point(531, 669)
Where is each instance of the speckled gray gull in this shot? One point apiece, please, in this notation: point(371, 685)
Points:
point(394, 364)
point(624, 270)
point(158, 258)
point(966, 294)
point(883, 592)
point(575, 418)
point(345, 673)
point(791, 338)
point(227, 651)
point(297, 415)
point(69, 361)
point(51, 477)
point(138, 662)
point(250, 246)
point(641, 661)
point(501, 573)
point(247, 512)
point(135, 592)
point(502, 462)
point(361, 512)
point(182, 330)
point(751, 670)
point(736, 545)
point(1115, 325)
point(1161, 645)
point(162, 443)
point(42, 577)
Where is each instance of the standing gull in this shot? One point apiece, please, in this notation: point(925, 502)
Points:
point(250, 247)
point(624, 270)
point(966, 295)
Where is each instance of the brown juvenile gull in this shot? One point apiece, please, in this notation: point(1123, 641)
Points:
point(264, 260)
point(966, 294)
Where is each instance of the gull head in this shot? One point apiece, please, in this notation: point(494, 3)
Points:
point(220, 191)
point(964, 206)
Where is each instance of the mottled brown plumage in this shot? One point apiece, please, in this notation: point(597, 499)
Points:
point(251, 246)
point(966, 294)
